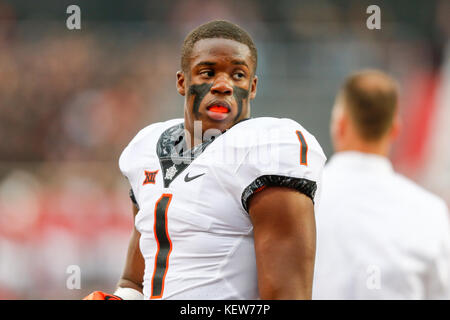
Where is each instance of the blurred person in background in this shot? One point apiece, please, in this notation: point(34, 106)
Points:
point(380, 236)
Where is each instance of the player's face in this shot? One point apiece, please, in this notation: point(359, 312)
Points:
point(219, 85)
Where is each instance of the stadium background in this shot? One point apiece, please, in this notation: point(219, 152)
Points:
point(70, 100)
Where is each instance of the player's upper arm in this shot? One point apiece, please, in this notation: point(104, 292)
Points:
point(280, 177)
point(284, 234)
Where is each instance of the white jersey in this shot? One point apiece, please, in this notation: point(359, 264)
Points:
point(379, 235)
point(196, 233)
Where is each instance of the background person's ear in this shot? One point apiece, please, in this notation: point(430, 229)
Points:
point(253, 88)
point(396, 127)
point(343, 122)
point(338, 121)
point(181, 83)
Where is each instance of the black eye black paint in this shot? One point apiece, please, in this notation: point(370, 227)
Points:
point(200, 91)
point(239, 94)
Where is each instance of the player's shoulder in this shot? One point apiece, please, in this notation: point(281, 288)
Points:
point(145, 141)
point(271, 130)
point(153, 131)
point(267, 123)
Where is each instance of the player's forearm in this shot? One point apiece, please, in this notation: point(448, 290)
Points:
point(133, 272)
point(126, 290)
point(129, 290)
point(127, 283)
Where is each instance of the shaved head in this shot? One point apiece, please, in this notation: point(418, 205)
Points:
point(216, 29)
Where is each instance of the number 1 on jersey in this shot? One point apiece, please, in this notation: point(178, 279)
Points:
point(164, 245)
point(303, 148)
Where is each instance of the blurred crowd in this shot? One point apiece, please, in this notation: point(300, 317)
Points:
point(69, 98)
point(70, 101)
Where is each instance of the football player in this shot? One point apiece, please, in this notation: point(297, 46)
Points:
point(223, 203)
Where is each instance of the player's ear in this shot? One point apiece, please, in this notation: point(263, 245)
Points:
point(254, 85)
point(181, 83)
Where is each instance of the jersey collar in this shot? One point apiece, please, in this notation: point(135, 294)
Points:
point(174, 156)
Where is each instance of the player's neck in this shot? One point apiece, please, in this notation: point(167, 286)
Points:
point(195, 135)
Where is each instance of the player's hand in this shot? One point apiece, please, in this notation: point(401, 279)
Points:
point(98, 295)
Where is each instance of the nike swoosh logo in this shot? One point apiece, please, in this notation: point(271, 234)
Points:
point(187, 178)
